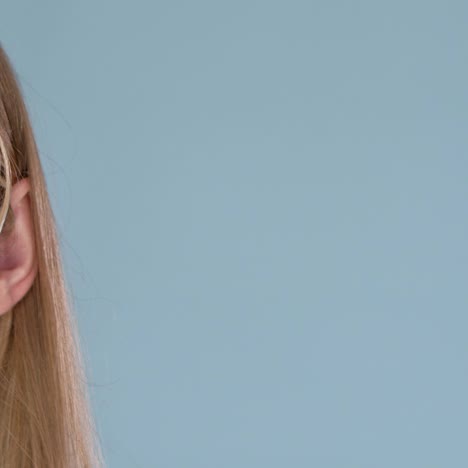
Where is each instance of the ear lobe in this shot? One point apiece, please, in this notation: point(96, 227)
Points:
point(18, 260)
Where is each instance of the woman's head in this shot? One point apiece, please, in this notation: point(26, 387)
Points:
point(45, 417)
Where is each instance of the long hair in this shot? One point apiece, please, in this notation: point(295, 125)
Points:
point(45, 412)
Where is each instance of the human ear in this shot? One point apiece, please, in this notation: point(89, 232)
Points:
point(18, 259)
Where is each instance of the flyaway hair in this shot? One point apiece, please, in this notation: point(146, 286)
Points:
point(45, 412)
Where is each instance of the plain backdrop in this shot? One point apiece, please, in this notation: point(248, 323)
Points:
point(263, 207)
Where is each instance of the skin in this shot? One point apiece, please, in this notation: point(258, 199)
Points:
point(18, 260)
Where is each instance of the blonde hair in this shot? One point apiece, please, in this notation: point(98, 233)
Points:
point(45, 412)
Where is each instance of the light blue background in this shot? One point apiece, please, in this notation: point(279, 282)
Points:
point(264, 214)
